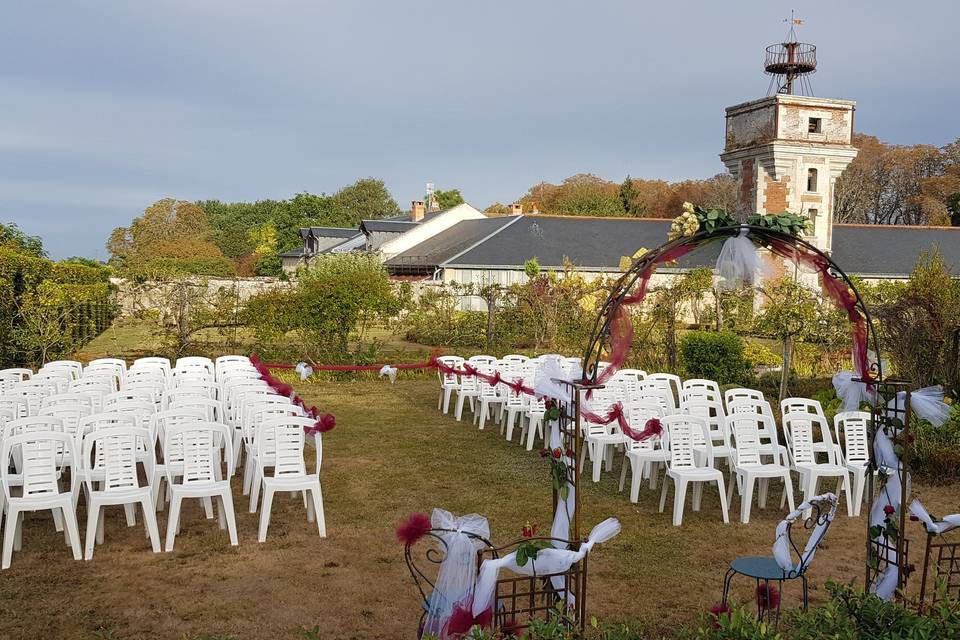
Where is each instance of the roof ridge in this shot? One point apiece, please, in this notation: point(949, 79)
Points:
point(894, 226)
point(483, 239)
point(575, 217)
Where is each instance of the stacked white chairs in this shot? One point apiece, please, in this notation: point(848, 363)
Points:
point(280, 446)
point(684, 468)
point(749, 467)
point(800, 424)
point(198, 474)
point(40, 455)
point(853, 426)
point(645, 456)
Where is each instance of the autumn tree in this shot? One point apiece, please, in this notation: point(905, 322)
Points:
point(168, 229)
point(897, 184)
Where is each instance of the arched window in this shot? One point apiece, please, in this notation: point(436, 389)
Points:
point(811, 179)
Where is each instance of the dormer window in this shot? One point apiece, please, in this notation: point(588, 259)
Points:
point(815, 125)
point(811, 180)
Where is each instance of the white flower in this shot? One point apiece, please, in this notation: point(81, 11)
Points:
point(688, 207)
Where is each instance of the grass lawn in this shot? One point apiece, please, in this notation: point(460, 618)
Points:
point(392, 453)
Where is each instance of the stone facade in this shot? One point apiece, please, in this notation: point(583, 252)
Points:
point(787, 152)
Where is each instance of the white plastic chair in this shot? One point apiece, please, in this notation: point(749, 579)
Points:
point(469, 389)
point(449, 382)
point(742, 393)
point(535, 424)
point(110, 458)
point(643, 457)
point(749, 467)
point(799, 425)
point(671, 382)
point(41, 456)
point(194, 362)
point(280, 444)
point(199, 477)
point(685, 430)
point(853, 427)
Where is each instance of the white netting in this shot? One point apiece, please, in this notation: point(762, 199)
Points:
point(739, 262)
point(458, 571)
point(850, 392)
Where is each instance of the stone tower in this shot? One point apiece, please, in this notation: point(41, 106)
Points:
point(786, 153)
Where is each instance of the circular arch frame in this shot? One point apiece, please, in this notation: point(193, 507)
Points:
point(645, 265)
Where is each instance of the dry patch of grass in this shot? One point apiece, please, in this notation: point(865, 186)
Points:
point(392, 453)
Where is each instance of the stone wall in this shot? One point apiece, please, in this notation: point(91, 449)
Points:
point(134, 297)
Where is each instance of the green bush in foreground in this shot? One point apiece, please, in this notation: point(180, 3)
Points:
point(849, 615)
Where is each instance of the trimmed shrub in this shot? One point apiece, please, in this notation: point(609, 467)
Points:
point(715, 356)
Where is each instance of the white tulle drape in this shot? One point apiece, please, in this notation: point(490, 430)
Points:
point(546, 383)
point(389, 372)
point(937, 527)
point(781, 544)
point(304, 370)
point(458, 570)
point(851, 392)
point(739, 262)
point(927, 403)
point(548, 561)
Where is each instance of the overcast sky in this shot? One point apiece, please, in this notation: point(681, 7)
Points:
point(106, 107)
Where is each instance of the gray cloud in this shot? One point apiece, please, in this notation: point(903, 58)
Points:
point(106, 106)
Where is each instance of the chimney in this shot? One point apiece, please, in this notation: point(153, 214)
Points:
point(416, 210)
point(516, 209)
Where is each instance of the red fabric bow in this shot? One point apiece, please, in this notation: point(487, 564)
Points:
point(461, 619)
point(652, 428)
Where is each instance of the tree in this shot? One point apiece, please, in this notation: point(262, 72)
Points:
point(448, 199)
point(669, 301)
point(332, 306)
point(366, 199)
point(168, 229)
point(790, 312)
point(897, 184)
point(629, 199)
point(921, 325)
point(11, 235)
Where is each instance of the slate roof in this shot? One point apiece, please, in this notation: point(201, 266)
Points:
point(596, 244)
point(432, 252)
point(389, 226)
point(591, 244)
point(891, 250)
point(329, 232)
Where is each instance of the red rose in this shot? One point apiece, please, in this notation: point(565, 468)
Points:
point(557, 453)
point(529, 530)
point(544, 453)
point(570, 453)
point(889, 510)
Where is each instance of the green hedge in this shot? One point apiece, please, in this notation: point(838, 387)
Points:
point(715, 356)
point(47, 309)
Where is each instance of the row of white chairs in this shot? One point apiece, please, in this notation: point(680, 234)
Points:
point(176, 427)
point(736, 426)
